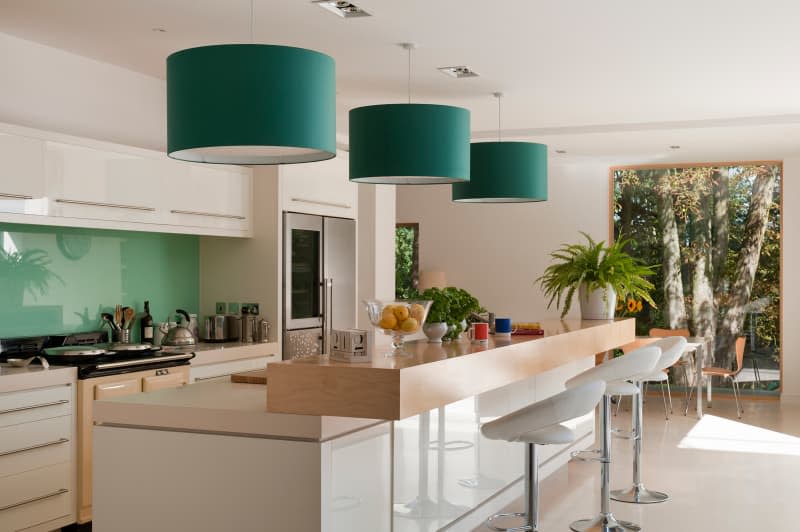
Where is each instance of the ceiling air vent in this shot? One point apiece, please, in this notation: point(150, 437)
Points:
point(458, 71)
point(343, 9)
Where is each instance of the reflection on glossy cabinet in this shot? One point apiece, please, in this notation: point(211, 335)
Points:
point(21, 173)
point(321, 188)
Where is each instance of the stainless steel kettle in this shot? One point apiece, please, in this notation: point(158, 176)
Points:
point(180, 335)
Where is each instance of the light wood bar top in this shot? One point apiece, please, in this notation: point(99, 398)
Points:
point(434, 375)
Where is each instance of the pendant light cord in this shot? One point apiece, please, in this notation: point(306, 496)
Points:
point(409, 74)
point(499, 96)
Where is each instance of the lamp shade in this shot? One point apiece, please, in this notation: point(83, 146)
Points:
point(505, 172)
point(428, 279)
point(251, 104)
point(409, 144)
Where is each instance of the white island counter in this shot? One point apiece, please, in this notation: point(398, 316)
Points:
point(210, 456)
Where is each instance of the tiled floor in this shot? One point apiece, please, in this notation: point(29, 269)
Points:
point(723, 474)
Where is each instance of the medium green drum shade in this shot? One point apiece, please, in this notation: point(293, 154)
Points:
point(505, 172)
point(409, 144)
point(251, 104)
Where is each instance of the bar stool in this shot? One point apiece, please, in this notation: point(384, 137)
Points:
point(615, 373)
point(540, 424)
point(671, 350)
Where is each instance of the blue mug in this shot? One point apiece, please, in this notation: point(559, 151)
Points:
point(502, 325)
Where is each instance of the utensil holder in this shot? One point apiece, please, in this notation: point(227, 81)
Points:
point(123, 336)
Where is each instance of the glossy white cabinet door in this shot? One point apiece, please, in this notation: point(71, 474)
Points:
point(209, 196)
point(321, 188)
point(21, 174)
point(102, 185)
point(226, 369)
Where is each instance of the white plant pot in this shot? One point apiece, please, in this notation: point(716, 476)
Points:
point(598, 304)
point(435, 331)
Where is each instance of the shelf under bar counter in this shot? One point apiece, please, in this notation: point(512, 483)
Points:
point(390, 446)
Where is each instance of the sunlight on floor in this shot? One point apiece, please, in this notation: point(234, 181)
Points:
point(714, 433)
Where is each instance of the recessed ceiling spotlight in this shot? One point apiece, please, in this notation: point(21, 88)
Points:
point(561, 151)
point(458, 71)
point(674, 147)
point(341, 8)
point(159, 30)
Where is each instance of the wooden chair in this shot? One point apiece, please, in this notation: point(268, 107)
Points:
point(709, 372)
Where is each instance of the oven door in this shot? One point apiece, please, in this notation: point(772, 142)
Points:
point(302, 271)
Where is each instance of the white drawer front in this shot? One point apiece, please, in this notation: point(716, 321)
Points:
point(32, 405)
point(213, 371)
point(36, 496)
point(35, 444)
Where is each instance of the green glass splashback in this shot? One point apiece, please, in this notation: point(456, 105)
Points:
point(59, 279)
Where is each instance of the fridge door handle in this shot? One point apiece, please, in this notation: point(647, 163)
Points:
point(327, 307)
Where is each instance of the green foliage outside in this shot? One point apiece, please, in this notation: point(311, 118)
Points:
point(405, 240)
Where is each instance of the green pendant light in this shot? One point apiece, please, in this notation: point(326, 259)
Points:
point(504, 172)
point(251, 104)
point(409, 144)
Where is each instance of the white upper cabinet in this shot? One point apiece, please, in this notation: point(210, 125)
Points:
point(322, 188)
point(206, 196)
point(21, 174)
point(52, 179)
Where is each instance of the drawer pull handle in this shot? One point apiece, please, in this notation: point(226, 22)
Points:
point(198, 379)
point(37, 446)
point(111, 205)
point(211, 214)
point(31, 407)
point(34, 499)
point(327, 203)
point(14, 196)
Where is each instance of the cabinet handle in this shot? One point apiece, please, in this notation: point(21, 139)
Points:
point(37, 446)
point(196, 379)
point(34, 499)
point(100, 204)
point(327, 203)
point(14, 196)
point(211, 214)
point(112, 387)
point(31, 407)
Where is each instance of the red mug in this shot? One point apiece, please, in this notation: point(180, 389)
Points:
point(479, 332)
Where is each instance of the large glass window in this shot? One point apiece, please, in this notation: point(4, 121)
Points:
point(406, 260)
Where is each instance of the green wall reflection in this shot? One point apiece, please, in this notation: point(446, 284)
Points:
point(59, 279)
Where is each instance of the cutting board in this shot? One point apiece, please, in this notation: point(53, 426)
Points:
point(258, 376)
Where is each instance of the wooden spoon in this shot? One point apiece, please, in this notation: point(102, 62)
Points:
point(128, 317)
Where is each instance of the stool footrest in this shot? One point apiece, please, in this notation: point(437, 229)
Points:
point(582, 456)
point(624, 434)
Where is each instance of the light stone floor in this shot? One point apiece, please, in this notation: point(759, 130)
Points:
point(723, 474)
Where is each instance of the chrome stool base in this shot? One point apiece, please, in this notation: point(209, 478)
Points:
point(519, 528)
point(604, 523)
point(638, 494)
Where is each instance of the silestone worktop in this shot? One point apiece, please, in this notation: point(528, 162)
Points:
point(434, 375)
point(220, 407)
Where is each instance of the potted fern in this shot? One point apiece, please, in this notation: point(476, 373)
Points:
point(599, 273)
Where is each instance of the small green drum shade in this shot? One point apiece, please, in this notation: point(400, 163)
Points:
point(505, 172)
point(251, 104)
point(409, 144)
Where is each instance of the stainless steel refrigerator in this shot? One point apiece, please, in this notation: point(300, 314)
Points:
point(319, 281)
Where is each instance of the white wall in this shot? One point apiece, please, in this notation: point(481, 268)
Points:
point(791, 282)
point(497, 251)
point(50, 89)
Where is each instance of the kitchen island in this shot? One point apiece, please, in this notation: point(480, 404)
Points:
point(216, 455)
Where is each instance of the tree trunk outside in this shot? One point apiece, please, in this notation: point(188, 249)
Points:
point(703, 309)
point(720, 178)
point(674, 303)
point(757, 216)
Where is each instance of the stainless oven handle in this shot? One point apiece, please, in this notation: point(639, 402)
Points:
point(139, 361)
point(101, 204)
point(14, 196)
point(34, 499)
point(211, 214)
point(31, 407)
point(37, 446)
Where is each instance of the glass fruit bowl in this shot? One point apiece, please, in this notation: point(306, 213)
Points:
point(397, 319)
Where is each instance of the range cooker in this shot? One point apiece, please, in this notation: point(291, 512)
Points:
point(92, 354)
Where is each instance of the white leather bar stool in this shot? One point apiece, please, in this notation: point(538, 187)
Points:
point(615, 373)
point(541, 424)
point(671, 350)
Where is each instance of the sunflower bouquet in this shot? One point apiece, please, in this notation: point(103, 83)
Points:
point(629, 306)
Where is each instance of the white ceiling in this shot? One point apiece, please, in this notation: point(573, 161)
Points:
point(622, 79)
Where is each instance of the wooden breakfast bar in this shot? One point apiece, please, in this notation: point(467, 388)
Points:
point(392, 445)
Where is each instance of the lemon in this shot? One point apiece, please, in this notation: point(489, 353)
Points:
point(401, 313)
point(409, 325)
point(388, 310)
point(417, 312)
point(388, 321)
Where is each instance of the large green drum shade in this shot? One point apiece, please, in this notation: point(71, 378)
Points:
point(251, 104)
point(409, 144)
point(505, 172)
